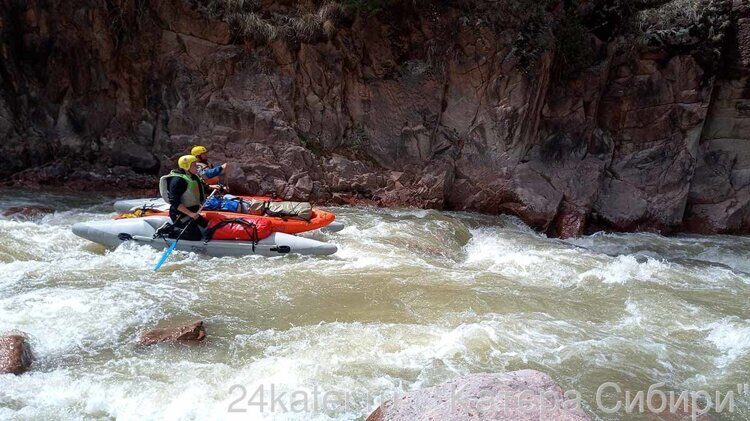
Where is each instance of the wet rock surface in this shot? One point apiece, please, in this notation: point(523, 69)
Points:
point(418, 107)
point(15, 355)
point(517, 395)
point(26, 212)
point(189, 333)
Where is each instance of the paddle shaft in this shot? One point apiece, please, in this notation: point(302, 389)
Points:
point(174, 244)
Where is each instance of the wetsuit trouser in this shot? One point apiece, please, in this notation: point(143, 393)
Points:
point(193, 232)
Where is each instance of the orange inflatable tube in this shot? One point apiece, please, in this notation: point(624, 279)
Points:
point(287, 225)
point(291, 225)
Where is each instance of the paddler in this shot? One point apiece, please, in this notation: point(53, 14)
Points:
point(208, 172)
point(185, 191)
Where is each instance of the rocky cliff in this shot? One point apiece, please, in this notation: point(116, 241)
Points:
point(574, 115)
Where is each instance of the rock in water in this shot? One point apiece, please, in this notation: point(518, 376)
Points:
point(193, 332)
point(27, 212)
point(15, 355)
point(518, 395)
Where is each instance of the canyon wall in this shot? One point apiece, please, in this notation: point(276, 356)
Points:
point(564, 113)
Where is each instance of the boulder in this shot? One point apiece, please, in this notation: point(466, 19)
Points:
point(130, 154)
point(189, 333)
point(426, 191)
point(569, 222)
point(27, 212)
point(517, 395)
point(15, 355)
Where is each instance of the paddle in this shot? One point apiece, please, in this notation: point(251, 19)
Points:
point(169, 251)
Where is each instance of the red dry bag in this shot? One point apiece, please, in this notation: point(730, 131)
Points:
point(238, 229)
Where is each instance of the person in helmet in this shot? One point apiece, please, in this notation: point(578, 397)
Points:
point(184, 190)
point(208, 172)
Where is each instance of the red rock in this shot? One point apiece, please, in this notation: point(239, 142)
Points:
point(27, 212)
point(569, 222)
point(518, 395)
point(15, 355)
point(190, 333)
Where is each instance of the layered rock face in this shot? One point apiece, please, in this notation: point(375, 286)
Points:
point(560, 112)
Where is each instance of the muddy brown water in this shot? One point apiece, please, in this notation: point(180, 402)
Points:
point(412, 299)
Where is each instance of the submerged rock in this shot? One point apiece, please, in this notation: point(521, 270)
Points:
point(27, 212)
point(15, 355)
point(518, 395)
point(193, 332)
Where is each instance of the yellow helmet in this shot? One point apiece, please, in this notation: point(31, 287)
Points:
point(185, 161)
point(198, 150)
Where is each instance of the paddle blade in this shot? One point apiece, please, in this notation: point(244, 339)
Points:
point(164, 256)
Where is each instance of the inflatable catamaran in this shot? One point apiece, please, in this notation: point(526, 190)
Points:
point(237, 226)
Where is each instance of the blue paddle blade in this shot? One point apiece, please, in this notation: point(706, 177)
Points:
point(165, 256)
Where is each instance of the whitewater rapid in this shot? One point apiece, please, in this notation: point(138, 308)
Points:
point(412, 299)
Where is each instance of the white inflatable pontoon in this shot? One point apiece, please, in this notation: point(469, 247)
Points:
point(141, 230)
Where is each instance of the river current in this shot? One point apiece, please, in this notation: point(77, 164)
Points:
point(413, 298)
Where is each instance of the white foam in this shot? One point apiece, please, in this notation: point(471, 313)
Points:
point(626, 268)
point(732, 338)
point(635, 316)
point(528, 259)
point(65, 321)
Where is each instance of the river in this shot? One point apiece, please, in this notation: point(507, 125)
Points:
point(413, 298)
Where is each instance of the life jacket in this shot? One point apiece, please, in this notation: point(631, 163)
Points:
point(138, 213)
point(191, 197)
point(202, 167)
